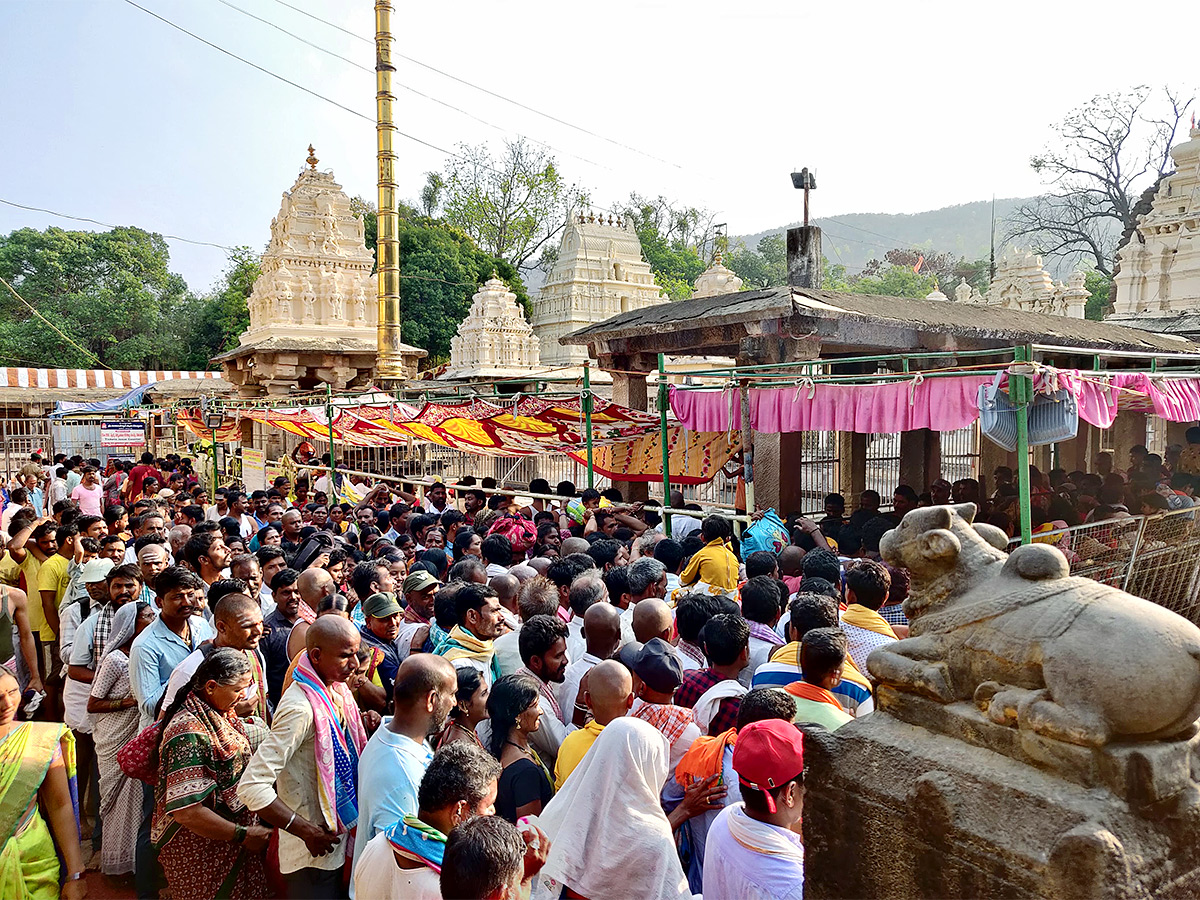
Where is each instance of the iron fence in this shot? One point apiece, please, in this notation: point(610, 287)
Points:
point(1153, 557)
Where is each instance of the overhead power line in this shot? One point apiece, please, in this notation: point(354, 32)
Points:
point(490, 93)
point(356, 64)
point(51, 212)
point(12, 290)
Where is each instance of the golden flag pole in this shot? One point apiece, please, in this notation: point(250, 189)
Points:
point(389, 367)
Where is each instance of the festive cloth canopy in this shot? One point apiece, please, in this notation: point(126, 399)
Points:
point(528, 426)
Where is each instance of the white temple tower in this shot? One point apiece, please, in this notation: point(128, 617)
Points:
point(1160, 266)
point(600, 273)
point(314, 307)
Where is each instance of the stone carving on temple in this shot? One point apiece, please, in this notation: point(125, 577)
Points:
point(315, 263)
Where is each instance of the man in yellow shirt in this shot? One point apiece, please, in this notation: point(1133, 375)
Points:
point(713, 565)
point(608, 693)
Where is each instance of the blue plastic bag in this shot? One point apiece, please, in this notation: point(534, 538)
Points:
point(768, 533)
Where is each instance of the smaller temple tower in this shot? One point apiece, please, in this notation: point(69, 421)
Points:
point(717, 279)
point(600, 273)
point(494, 340)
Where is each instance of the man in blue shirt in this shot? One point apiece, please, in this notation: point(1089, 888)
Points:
point(179, 629)
point(397, 755)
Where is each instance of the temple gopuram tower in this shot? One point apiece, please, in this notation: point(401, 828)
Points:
point(313, 309)
point(600, 273)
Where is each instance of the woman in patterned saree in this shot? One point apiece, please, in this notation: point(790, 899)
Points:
point(37, 778)
point(210, 844)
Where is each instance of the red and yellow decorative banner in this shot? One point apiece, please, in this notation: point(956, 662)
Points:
point(530, 426)
point(695, 456)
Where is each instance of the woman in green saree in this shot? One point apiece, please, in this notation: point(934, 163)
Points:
point(39, 815)
point(209, 844)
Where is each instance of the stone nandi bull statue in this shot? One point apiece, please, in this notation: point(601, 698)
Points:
point(1033, 646)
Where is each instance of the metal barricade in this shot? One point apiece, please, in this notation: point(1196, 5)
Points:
point(1153, 557)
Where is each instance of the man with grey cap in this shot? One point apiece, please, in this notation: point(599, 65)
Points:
point(420, 589)
point(657, 674)
point(383, 614)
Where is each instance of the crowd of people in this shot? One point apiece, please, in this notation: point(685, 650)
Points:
point(436, 692)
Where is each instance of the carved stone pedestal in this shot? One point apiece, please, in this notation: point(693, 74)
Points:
point(894, 809)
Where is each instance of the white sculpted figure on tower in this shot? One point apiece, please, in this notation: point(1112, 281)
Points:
point(337, 300)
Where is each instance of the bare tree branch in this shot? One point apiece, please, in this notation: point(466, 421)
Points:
point(1106, 153)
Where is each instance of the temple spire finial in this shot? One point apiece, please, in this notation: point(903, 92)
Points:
point(312, 159)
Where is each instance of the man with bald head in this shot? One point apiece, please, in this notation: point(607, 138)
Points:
point(573, 545)
point(540, 564)
point(506, 587)
point(314, 585)
point(608, 696)
point(652, 619)
point(398, 754)
point(602, 632)
point(282, 783)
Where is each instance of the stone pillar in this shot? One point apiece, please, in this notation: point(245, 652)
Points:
point(920, 458)
point(1128, 430)
point(630, 391)
point(991, 457)
point(771, 482)
point(852, 466)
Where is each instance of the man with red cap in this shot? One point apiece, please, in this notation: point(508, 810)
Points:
point(753, 850)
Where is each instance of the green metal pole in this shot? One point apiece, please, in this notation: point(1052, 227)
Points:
point(587, 419)
point(1019, 389)
point(663, 405)
point(214, 478)
point(333, 492)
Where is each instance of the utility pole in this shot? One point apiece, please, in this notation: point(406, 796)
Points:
point(389, 366)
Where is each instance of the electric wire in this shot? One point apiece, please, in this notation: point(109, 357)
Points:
point(406, 87)
point(484, 90)
point(12, 290)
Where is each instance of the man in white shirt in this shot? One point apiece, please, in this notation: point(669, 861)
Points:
point(535, 599)
point(435, 502)
point(281, 782)
point(753, 850)
point(460, 784)
point(602, 631)
point(586, 590)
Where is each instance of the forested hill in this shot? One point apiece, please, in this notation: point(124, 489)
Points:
point(856, 238)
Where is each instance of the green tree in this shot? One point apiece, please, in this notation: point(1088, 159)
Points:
point(440, 269)
point(895, 281)
point(670, 236)
point(212, 324)
point(512, 206)
point(1101, 287)
point(765, 266)
point(108, 293)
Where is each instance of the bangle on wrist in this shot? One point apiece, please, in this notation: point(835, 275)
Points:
point(77, 876)
point(239, 833)
point(290, 821)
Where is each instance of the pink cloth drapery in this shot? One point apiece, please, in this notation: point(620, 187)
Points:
point(941, 404)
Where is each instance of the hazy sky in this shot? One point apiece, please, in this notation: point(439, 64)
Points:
point(111, 114)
